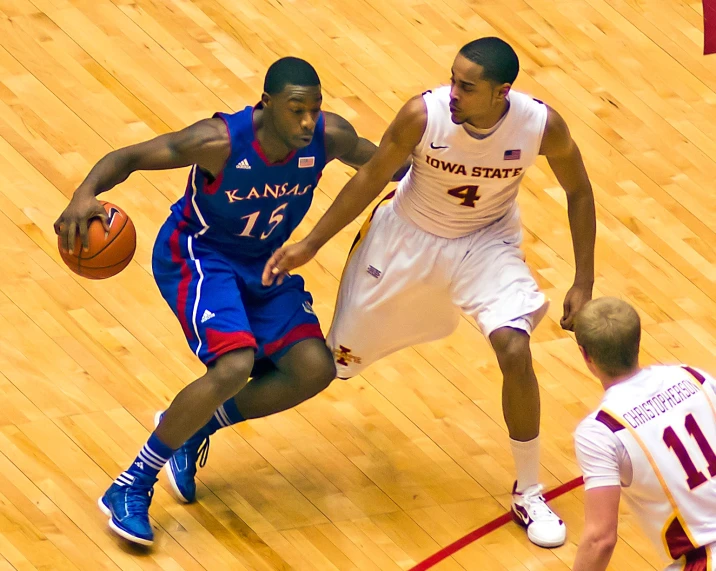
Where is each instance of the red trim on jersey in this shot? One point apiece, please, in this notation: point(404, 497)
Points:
point(221, 342)
point(260, 152)
point(305, 331)
point(257, 146)
point(211, 188)
point(187, 199)
point(695, 374)
point(185, 271)
point(676, 540)
point(609, 421)
point(697, 560)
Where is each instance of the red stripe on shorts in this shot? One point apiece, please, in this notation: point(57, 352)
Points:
point(184, 282)
point(221, 342)
point(305, 331)
point(697, 560)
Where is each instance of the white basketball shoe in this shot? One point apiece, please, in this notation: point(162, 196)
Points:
point(530, 510)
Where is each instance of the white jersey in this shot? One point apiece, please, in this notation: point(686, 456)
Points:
point(459, 184)
point(663, 443)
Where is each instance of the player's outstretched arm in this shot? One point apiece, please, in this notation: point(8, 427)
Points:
point(601, 514)
point(344, 144)
point(205, 143)
point(566, 162)
point(397, 145)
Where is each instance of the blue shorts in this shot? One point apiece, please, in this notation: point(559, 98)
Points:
point(221, 303)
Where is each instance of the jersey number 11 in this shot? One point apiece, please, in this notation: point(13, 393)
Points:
point(694, 477)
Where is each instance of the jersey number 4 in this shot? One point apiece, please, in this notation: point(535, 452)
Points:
point(467, 193)
point(694, 477)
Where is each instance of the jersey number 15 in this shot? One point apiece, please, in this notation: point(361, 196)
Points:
point(274, 221)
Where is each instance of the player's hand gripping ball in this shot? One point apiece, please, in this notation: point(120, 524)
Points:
point(109, 252)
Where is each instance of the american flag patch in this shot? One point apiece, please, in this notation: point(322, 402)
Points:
point(512, 155)
point(306, 162)
point(375, 272)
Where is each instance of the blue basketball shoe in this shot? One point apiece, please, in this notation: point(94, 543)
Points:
point(181, 468)
point(127, 507)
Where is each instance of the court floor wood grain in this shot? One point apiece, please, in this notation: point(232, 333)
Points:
point(381, 471)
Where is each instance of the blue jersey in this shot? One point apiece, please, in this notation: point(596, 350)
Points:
point(252, 206)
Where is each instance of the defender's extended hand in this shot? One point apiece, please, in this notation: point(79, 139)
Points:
point(284, 260)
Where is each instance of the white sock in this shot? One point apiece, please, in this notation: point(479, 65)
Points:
point(526, 455)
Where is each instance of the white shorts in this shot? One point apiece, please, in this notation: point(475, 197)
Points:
point(403, 286)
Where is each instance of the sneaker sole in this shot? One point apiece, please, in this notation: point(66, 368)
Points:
point(116, 529)
point(546, 545)
point(167, 468)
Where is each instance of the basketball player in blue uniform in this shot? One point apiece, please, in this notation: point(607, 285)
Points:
point(252, 180)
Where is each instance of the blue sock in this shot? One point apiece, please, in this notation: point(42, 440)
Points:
point(226, 415)
point(151, 459)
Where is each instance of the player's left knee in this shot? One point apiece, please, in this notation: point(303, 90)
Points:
point(512, 347)
point(321, 372)
point(311, 364)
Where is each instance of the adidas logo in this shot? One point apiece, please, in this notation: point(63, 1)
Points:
point(244, 164)
point(139, 465)
point(207, 315)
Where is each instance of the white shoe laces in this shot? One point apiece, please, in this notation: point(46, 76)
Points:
point(533, 501)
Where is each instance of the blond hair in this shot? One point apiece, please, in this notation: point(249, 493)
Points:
point(609, 330)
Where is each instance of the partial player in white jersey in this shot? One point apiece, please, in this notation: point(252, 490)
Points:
point(652, 438)
point(449, 242)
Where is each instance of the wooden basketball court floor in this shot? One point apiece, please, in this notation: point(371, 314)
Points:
point(382, 471)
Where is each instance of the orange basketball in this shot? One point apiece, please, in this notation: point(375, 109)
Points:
point(107, 255)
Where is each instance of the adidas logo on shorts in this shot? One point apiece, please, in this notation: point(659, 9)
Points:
point(207, 315)
point(244, 164)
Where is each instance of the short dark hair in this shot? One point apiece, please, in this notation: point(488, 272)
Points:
point(289, 71)
point(498, 60)
point(609, 330)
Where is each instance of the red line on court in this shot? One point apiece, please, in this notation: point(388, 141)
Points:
point(709, 7)
point(489, 527)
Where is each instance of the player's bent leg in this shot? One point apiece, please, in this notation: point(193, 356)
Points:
point(394, 293)
point(521, 408)
point(195, 404)
point(224, 378)
point(293, 364)
point(301, 373)
point(127, 500)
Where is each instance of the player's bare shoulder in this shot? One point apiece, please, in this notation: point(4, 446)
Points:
point(207, 142)
point(557, 139)
point(412, 119)
point(341, 136)
point(407, 127)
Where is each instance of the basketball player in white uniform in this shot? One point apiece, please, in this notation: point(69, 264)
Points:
point(654, 435)
point(449, 242)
